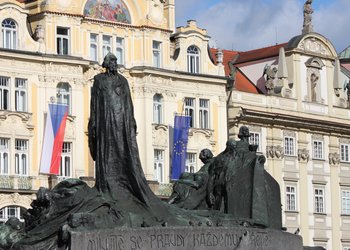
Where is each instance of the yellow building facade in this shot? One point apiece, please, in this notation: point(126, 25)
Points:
point(50, 50)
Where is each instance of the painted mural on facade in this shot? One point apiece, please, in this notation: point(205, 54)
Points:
point(110, 10)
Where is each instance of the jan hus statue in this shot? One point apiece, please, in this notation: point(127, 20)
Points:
point(112, 136)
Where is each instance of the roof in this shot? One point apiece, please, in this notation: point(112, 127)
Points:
point(345, 54)
point(258, 54)
point(228, 56)
point(242, 83)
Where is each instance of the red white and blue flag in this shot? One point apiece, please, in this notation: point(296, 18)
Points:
point(53, 138)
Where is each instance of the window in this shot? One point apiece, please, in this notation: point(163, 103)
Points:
point(21, 94)
point(289, 146)
point(4, 156)
point(319, 200)
point(344, 153)
point(11, 211)
point(156, 53)
point(62, 41)
point(159, 165)
point(93, 47)
point(9, 34)
point(120, 50)
point(157, 108)
point(190, 110)
point(346, 248)
point(254, 139)
point(64, 95)
point(191, 162)
point(345, 202)
point(193, 59)
point(4, 93)
point(66, 160)
point(291, 204)
point(21, 157)
point(204, 113)
point(106, 45)
point(318, 149)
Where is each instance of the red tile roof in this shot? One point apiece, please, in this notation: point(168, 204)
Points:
point(258, 54)
point(242, 83)
point(228, 56)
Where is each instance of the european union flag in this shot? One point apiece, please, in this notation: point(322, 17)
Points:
point(181, 126)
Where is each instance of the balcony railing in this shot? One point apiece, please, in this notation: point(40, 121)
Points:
point(16, 182)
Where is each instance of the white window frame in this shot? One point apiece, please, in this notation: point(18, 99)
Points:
point(9, 34)
point(190, 110)
point(120, 50)
point(94, 46)
point(193, 59)
point(157, 53)
point(66, 161)
point(289, 146)
point(106, 45)
point(64, 95)
point(21, 157)
point(319, 200)
point(346, 248)
point(5, 94)
point(317, 149)
point(191, 162)
point(4, 156)
point(158, 109)
point(255, 139)
point(291, 198)
point(344, 152)
point(159, 165)
point(21, 94)
point(204, 114)
point(345, 201)
point(5, 213)
point(61, 39)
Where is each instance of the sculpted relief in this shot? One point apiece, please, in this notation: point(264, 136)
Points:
point(314, 45)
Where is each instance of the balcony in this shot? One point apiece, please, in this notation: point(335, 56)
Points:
point(16, 182)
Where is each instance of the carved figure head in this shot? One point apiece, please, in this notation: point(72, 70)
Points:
point(205, 155)
point(231, 144)
point(110, 63)
point(243, 132)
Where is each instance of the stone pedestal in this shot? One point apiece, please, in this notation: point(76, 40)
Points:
point(189, 238)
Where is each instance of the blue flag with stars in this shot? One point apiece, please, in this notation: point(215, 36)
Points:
point(181, 126)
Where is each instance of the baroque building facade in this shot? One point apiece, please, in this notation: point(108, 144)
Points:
point(50, 50)
point(294, 99)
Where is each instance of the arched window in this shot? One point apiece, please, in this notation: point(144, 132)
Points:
point(193, 59)
point(158, 108)
point(11, 211)
point(64, 95)
point(9, 34)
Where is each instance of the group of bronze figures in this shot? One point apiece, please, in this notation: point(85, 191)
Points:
point(234, 182)
point(231, 188)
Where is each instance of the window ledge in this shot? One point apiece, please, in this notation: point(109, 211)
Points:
point(320, 160)
point(291, 212)
point(345, 215)
point(320, 214)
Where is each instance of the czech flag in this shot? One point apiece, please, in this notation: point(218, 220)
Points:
point(53, 138)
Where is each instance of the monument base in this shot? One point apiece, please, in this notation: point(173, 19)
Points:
point(185, 238)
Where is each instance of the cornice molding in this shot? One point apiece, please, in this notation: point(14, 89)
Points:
point(291, 121)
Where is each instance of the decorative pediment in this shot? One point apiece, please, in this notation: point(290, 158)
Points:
point(312, 44)
point(109, 10)
point(314, 62)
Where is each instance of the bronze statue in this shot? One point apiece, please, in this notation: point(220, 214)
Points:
point(190, 191)
point(112, 136)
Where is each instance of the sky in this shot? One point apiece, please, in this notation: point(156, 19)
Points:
point(250, 24)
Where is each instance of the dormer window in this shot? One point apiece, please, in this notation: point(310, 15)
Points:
point(193, 59)
point(9, 34)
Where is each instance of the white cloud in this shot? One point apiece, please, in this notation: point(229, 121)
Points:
point(250, 24)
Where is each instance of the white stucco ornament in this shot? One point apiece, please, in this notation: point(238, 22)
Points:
point(156, 11)
point(64, 3)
